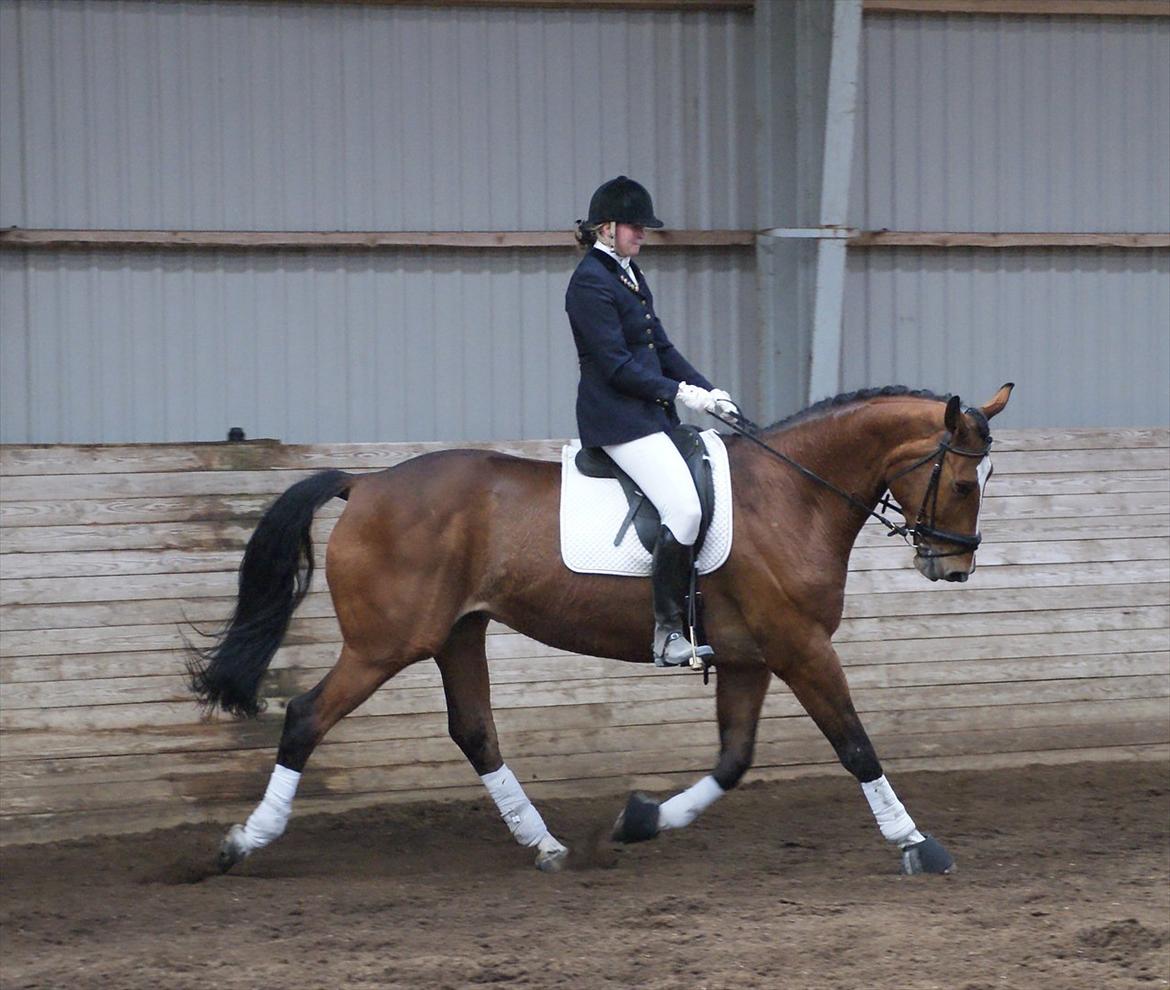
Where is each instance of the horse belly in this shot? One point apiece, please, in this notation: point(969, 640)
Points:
point(591, 614)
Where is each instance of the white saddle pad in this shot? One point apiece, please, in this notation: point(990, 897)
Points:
point(592, 509)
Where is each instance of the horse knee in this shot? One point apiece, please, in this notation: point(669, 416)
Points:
point(477, 743)
point(859, 758)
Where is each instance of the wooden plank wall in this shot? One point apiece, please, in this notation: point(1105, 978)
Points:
point(1056, 650)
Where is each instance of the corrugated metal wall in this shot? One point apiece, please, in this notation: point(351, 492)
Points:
point(236, 116)
point(1015, 124)
point(1085, 334)
point(193, 115)
point(326, 346)
point(240, 116)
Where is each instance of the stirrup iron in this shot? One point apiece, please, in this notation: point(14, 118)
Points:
point(676, 650)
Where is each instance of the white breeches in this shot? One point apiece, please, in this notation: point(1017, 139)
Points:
point(660, 471)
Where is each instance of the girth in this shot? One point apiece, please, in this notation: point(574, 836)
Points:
point(594, 462)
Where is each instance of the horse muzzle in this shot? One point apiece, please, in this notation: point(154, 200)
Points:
point(944, 568)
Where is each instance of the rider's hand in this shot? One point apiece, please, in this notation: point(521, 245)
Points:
point(695, 398)
point(721, 403)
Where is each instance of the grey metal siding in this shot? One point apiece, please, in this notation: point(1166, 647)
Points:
point(328, 346)
point(1085, 334)
point(1014, 124)
point(267, 116)
point(196, 115)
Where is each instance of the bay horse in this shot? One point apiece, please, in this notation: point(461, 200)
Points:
point(427, 552)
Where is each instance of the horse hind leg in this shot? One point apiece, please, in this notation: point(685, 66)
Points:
point(462, 664)
point(822, 689)
point(308, 717)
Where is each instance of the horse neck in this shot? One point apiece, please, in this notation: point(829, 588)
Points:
point(853, 448)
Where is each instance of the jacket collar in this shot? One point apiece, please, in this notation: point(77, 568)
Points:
point(611, 263)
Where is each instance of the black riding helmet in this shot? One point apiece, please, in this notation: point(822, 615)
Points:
point(625, 201)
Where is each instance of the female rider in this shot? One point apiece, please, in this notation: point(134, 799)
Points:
point(631, 375)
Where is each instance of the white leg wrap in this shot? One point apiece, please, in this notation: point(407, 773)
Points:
point(267, 822)
point(684, 808)
point(522, 819)
point(895, 823)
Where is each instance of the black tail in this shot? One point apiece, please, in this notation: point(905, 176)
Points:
point(274, 578)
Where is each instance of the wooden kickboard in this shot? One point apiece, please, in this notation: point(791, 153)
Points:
point(1057, 649)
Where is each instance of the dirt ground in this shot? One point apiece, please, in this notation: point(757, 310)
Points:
point(1063, 883)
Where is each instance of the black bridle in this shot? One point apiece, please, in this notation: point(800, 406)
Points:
point(924, 528)
point(924, 523)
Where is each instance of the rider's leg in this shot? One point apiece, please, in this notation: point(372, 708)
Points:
point(659, 470)
point(661, 473)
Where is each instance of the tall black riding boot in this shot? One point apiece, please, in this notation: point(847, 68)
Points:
point(671, 579)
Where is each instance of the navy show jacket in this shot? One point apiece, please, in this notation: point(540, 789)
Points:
point(629, 369)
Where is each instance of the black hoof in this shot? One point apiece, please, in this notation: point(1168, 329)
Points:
point(927, 856)
point(638, 822)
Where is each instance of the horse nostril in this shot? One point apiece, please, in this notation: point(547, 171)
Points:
point(957, 576)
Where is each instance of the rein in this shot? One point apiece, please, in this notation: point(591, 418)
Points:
point(923, 525)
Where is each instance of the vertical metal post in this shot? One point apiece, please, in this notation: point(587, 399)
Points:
point(806, 89)
point(836, 169)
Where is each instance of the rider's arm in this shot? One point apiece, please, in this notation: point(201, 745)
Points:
point(592, 308)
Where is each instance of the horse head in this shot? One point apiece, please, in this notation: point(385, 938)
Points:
point(941, 490)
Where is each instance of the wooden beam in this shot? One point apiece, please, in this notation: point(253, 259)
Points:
point(1044, 8)
point(17, 238)
point(945, 239)
point(664, 6)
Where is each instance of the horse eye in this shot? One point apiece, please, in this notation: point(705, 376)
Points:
point(965, 488)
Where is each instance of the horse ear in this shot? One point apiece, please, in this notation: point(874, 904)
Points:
point(951, 417)
point(1001, 399)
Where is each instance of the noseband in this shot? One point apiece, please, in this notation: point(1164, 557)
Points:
point(924, 528)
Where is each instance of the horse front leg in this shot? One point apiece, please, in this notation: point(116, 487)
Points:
point(739, 695)
point(463, 665)
point(819, 684)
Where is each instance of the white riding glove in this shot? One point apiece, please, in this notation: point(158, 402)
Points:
point(695, 398)
point(721, 403)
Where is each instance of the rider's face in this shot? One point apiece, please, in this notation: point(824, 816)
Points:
point(629, 238)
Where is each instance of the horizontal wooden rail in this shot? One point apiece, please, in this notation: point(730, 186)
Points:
point(958, 239)
point(1107, 8)
point(16, 238)
point(663, 6)
point(1044, 8)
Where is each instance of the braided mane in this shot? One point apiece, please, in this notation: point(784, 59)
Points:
point(818, 409)
point(824, 406)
